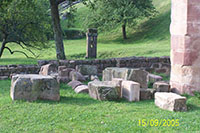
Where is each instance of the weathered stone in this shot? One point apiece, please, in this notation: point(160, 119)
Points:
point(91, 43)
point(146, 94)
point(3, 77)
point(63, 79)
point(104, 90)
point(118, 82)
point(136, 75)
point(94, 77)
point(74, 75)
point(170, 101)
point(161, 86)
point(131, 90)
point(74, 84)
point(87, 69)
point(154, 78)
point(114, 72)
point(82, 89)
point(65, 72)
point(48, 69)
point(185, 48)
point(139, 76)
point(32, 87)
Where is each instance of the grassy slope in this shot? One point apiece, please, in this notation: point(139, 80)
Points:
point(149, 39)
point(79, 113)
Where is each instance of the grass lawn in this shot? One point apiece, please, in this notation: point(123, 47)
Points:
point(80, 113)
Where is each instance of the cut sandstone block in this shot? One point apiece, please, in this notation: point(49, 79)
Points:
point(48, 69)
point(131, 90)
point(74, 84)
point(154, 78)
point(161, 86)
point(87, 69)
point(135, 75)
point(104, 90)
point(31, 87)
point(170, 101)
point(146, 94)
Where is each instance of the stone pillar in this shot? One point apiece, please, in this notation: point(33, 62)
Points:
point(185, 46)
point(91, 43)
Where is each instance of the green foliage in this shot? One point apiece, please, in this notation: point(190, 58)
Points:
point(80, 113)
point(25, 22)
point(108, 14)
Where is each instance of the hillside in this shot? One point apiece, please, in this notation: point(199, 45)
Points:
point(150, 38)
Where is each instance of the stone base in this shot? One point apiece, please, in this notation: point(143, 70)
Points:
point(170, 101)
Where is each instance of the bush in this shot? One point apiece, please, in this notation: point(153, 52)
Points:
point(73, 34)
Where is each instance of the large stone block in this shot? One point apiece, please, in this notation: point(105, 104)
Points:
point(87, 69)
point(48, 69)
point(136, 75)
point(131, 90)
point(139, 76)
point(170, 101)
point(32, 87)
point(104, 90)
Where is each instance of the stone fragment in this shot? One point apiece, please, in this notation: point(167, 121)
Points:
point(154, 78)
point(31, 87)
point(170, 101)
point(114, 72)
point(82, 89)
point(118, 82)
point(139, 76)
point(104, 90)
point(48, 69)
point(94, 77)
point(131, 90)
point(3, 77)
point(146, 94)
point(87, 69)
point(161, 86)
point(64, 72)
point(63, 79)
point(74, 84)
point(74, 75)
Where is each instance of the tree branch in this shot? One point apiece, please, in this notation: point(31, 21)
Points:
point(17, 51)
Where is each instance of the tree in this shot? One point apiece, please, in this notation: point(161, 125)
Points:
point(111, 13)
point(25, 23)
point(58, 34)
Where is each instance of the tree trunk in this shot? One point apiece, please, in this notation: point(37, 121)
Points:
point(124, 31)
point(58, 36)
point(2, 47)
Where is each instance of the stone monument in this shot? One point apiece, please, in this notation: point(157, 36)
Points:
point(185, 46)
point(91, 43)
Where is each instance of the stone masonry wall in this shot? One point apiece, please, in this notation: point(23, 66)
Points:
point(150, 64)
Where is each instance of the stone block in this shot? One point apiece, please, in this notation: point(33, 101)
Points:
point(74, 84)
point(63, 79)
point(147, 94)
point(74, 75)
point(31, 87)
point(170, 101)
point(139, 76)
point(131, 90)
point(82, 89)
point(48, 69)
point(104, 90)
point(161, 86)
point(87, 69)
point(154, 78)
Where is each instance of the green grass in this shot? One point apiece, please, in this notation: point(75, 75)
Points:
point(149, 38)
point(80, 113)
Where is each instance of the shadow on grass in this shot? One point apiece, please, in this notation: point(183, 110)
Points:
point(192, 107)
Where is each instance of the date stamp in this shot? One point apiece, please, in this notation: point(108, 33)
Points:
point(158, 123)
